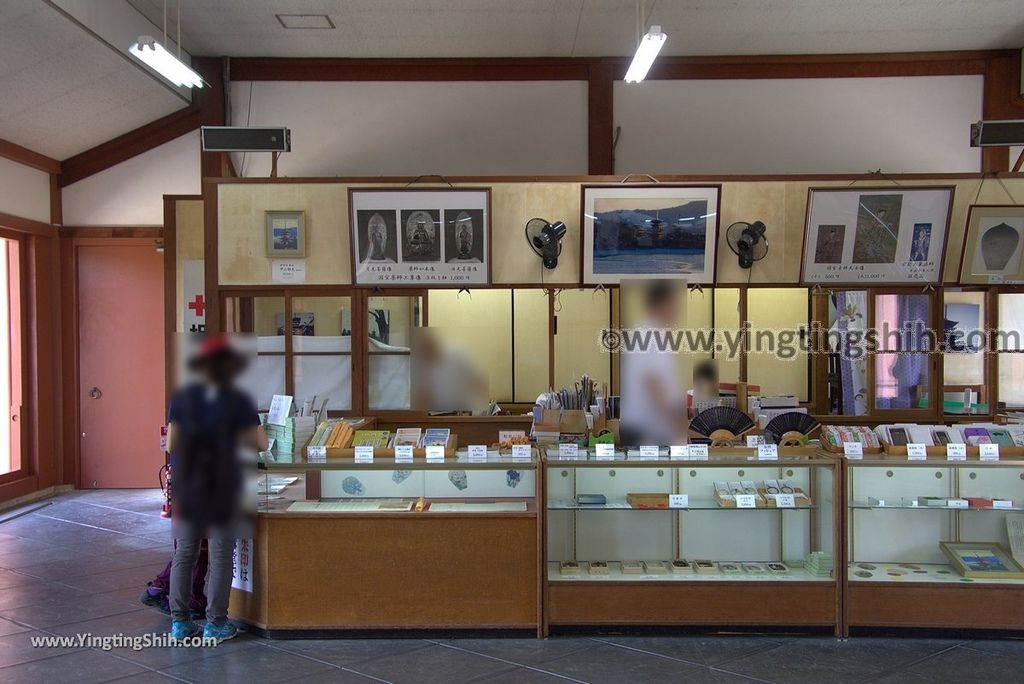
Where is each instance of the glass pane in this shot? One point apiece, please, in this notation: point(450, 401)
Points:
point(847, 360)
point(902, 325)
point(901, 381)
point(479, 327)
point(727, 326)
point(581, 315)
point(530, 352)
point(391, 320)
point(389, 380)
point(264, 378)
point(322, 377)
point(778, 358)
point(322, 324)
point(1011, 365)
point(696, 319)
point(10, 356)
point(963, 367)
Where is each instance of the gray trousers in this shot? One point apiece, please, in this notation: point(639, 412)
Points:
point(218, 578)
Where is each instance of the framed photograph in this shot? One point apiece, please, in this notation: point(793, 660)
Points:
point(887, 235)
point(993, 241)
point(286, 234)
point(421, 238)
point(649, 231)
point(982, 560)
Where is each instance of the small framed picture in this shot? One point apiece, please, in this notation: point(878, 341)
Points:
point(993, 245)
point(286, 234)
point(982, 560)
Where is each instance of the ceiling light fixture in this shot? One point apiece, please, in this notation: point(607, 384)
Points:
point(646, 52)
point(164, 63)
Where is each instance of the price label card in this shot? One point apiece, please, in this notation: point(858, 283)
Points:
point(917, 452)
point(698, 452)
point(853, 450)
point(956, 503)
point(767, 452)
point(604, 452)
point(746, 501)
point(403, 453)
point(785, 501)
point(989, 452)
point(477, 453)
point(678, 452)
point(316, 453)
point(754, 440)
point(364, 454)
point(521, 452)
point(1002, 503)
point(648, 453)
point(435, 453)
point(678, 500)
point(569, 451)
point(956, 452)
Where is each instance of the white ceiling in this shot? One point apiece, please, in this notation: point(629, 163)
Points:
point(586, 28)
point(64, 90)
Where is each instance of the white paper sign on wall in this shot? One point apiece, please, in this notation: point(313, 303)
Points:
point(288, 270)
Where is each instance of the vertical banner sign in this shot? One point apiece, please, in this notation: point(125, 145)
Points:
point(241, 566)
point(193, 301)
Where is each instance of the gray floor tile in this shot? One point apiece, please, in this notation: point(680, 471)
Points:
point(80, 609)
point(34, 593)
point(136, 620)
point(900, 677)
point(1010, 647)
point(9, 627)
point(612, 664)
point(17, 648)
point(83, 667)
point(814, 660)
point(251, 665)
point(167, 658)
point(433, 664)
point(522, 675)
point(116, 579)
point(147, 678)
point(13, 578)
point(345, 652)
point(335, 676)
point(967, 664)
point(523, 651)
point(701, 650)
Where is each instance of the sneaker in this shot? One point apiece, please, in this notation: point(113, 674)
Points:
point(221, 632)
point(155, 598)
point(181, 629)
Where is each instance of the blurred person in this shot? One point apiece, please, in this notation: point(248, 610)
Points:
point(444, 378)
point(208, 421)
point(653, 402)
point(705, 383)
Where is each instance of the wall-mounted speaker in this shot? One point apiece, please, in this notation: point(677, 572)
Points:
point(997, 133)
point(245, 139)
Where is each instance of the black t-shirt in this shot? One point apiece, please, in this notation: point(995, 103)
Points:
point(205, 468)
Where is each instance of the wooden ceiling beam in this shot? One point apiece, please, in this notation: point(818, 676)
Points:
point(25, 156)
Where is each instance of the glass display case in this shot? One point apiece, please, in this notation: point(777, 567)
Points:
point(723, 539)
point(934, 542)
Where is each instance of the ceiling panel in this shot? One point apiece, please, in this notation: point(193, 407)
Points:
point(532, 28)
point(65, 91)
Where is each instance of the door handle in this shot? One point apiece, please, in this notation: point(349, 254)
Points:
point(95, 393)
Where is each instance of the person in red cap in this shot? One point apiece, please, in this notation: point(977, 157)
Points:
point(209, 420)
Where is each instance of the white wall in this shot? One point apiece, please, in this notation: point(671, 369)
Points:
point(131, 193)
point(409, 129)
point(24, 191)
point(843, 125)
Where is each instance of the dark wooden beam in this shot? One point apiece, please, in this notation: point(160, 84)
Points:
point(24, 225)
point(155, 232)
point(212, 108)
point(131, 144)
point(25, 156)
point(600, 123)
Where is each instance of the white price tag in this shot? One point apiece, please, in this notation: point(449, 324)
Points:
point(521, 452)
point(648, 453)
point(989, 452)
point(785, 501)
point(364, 454)
point(568, 451)
point(604, 452)
point(678, 452)
point(316, 453)
point(956, 452)
point(477, 453)
point(435, 453)
point(956, 503)
point(403, 453)
point(678, 500)
point(698, 452)
point(754, 440)
point(917, 452)
point(767, 452)
point(746, 501)
point(1002, 503)
point(995, 280)
point(854, 450)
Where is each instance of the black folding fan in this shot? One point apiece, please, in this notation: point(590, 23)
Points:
point(790, 429)
point(723, 425)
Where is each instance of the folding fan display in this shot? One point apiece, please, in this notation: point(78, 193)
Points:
point(790, 429)
point(723, 425)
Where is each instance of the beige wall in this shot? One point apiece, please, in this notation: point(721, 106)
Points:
point(780, 204)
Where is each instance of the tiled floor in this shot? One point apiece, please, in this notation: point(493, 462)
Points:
point(78, 564)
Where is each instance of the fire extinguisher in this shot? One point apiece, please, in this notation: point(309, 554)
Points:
point(165, 485)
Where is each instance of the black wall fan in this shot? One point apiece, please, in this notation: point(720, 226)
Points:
point(545, 239)
point(747, 241)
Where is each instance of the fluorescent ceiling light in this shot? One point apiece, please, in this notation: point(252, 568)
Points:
point(164, 63)
point(646, 52)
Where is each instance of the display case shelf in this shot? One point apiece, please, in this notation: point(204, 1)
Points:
point(615, 574)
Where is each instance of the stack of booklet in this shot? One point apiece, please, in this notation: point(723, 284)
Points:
point(818, 564)
point(295, 432)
